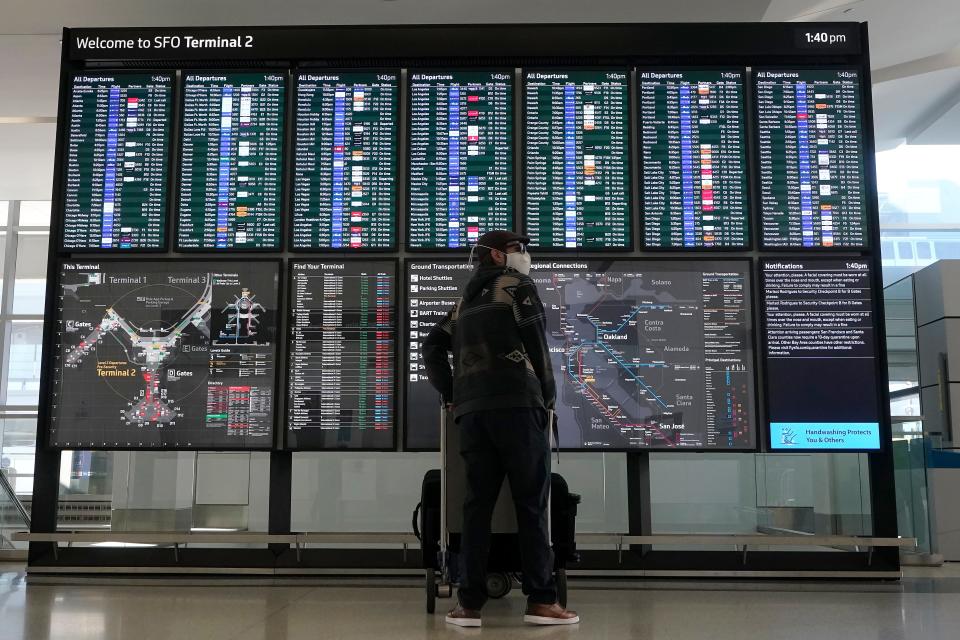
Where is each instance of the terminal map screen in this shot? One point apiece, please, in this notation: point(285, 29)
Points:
point(460, 156)
point(821, 356)
point(231, 160)
point(345, 160)
point(647, 354)
point(694, 162)
point(577, 159)
point(343, 346)
point(809, 130)
point(117, 155)
point(651, 354)
point(433, 288)
point(165, 354)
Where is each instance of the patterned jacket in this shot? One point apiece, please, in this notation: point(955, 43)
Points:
point(497, 336)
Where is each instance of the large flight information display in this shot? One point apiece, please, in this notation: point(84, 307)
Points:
point(651, 354)
point(809, 130)
point(345, 160)
point(343, 345)
point(694, 161)
point(821, 354)
point(172, 355)
point(117, 156)
point(460, 156)
point(231, 160)
point(647, 354)
point(577, 159)
point(433, 288)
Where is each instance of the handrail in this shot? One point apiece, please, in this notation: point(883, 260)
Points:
point(300, 540)
point(5, 485)
point(746, 539)
point(174, 537)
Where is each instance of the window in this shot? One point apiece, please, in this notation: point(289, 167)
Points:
point(24, 238)
point(919, 193)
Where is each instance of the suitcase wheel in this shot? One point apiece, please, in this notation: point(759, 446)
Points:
point(498, 585)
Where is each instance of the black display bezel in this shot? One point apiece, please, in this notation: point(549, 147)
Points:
point(170, 159)
point(511, 72)
point(284, 142)
point(762, 334)
point(751, 341)
point(290, 321)
point(755, 152)
point(290, 178)
point(748, 165)
point(632, 164)
point(268, 441)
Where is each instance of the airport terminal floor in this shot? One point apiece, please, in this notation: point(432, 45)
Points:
point(925, 604)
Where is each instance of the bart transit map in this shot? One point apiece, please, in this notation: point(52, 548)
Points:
point(650, 354)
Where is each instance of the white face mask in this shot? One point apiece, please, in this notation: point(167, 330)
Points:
point(519, 262)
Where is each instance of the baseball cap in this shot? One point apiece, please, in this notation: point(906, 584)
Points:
point(499, 239)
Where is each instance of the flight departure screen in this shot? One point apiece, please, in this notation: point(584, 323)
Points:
point(118, 153)
point(231, 161)
point(162, 354)
point(650, 354)
point(460, 157)
point(646, 354)
point(343, 345)
point(694, 161)
point(810, 132)
point(433, 288)
point(345, 160)
point(821, 360)
point(577, 159)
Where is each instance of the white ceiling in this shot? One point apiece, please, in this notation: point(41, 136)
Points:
point(903, 106)
point(915, 50)
point(49, 16)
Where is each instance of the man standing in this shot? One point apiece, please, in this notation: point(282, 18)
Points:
point(499, 391)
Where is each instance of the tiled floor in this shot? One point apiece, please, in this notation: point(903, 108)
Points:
point(925, 605)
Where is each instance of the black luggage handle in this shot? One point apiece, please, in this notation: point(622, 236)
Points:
point(415, 523)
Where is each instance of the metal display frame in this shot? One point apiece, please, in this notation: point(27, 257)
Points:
point(748, 162)
point(482, 47)
point(290, 180)
point(171, 163)
point(126, 259)
point(283, 156)
point(869, 220)
point(632, 148)
point(371, 259)
point(812, 260)
point(751, 295)
point(404, 241)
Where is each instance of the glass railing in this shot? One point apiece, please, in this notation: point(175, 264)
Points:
point(13, 516)
point(911, 447)
point(913, 509)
